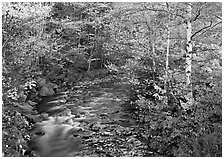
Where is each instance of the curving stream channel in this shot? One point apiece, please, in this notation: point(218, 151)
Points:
point(109, 130)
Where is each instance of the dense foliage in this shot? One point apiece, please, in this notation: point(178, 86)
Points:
point(52, 47)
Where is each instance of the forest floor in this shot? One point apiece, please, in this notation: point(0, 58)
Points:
point(111, 131)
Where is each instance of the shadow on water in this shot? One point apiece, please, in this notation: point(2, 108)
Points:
point(49, 104)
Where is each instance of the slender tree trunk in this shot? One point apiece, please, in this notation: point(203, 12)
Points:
point(167, 50)
point(167, 56)
point(92, 51)
point(89, 65)
point(154, 55)
point(189, 55)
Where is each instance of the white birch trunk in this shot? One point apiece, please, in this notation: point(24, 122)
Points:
point(189, 55)
point(167, 55)
point(167, 49)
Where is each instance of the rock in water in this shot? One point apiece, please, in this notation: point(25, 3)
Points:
point(46, 91)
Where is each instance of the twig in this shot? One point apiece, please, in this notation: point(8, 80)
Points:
point(198, 13)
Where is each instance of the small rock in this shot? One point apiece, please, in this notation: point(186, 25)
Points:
point(103, 114)
point(86, 137)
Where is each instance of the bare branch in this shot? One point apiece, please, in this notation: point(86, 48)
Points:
point(201, 30)
point(167, 5)
point(208, 29)
point(217, 16)
point(198, 13)
point(131, 11)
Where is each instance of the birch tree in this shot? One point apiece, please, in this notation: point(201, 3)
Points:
point(168, 46)
point(189, 54)
point(201, 18)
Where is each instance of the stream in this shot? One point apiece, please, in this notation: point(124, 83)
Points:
point(110, 130)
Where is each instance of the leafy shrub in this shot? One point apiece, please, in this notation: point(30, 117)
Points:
point(14, 130)
point(171, 130)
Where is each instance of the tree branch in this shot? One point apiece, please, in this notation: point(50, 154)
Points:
point(206, 29)
point(131, 11)
point(201, 30)
point(167, 5)
point(218, 17)
point(198, 14)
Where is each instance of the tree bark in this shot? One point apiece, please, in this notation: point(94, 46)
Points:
point(167, 49)
point(189, 55)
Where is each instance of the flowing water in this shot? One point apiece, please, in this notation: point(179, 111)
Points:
point(109, 130)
